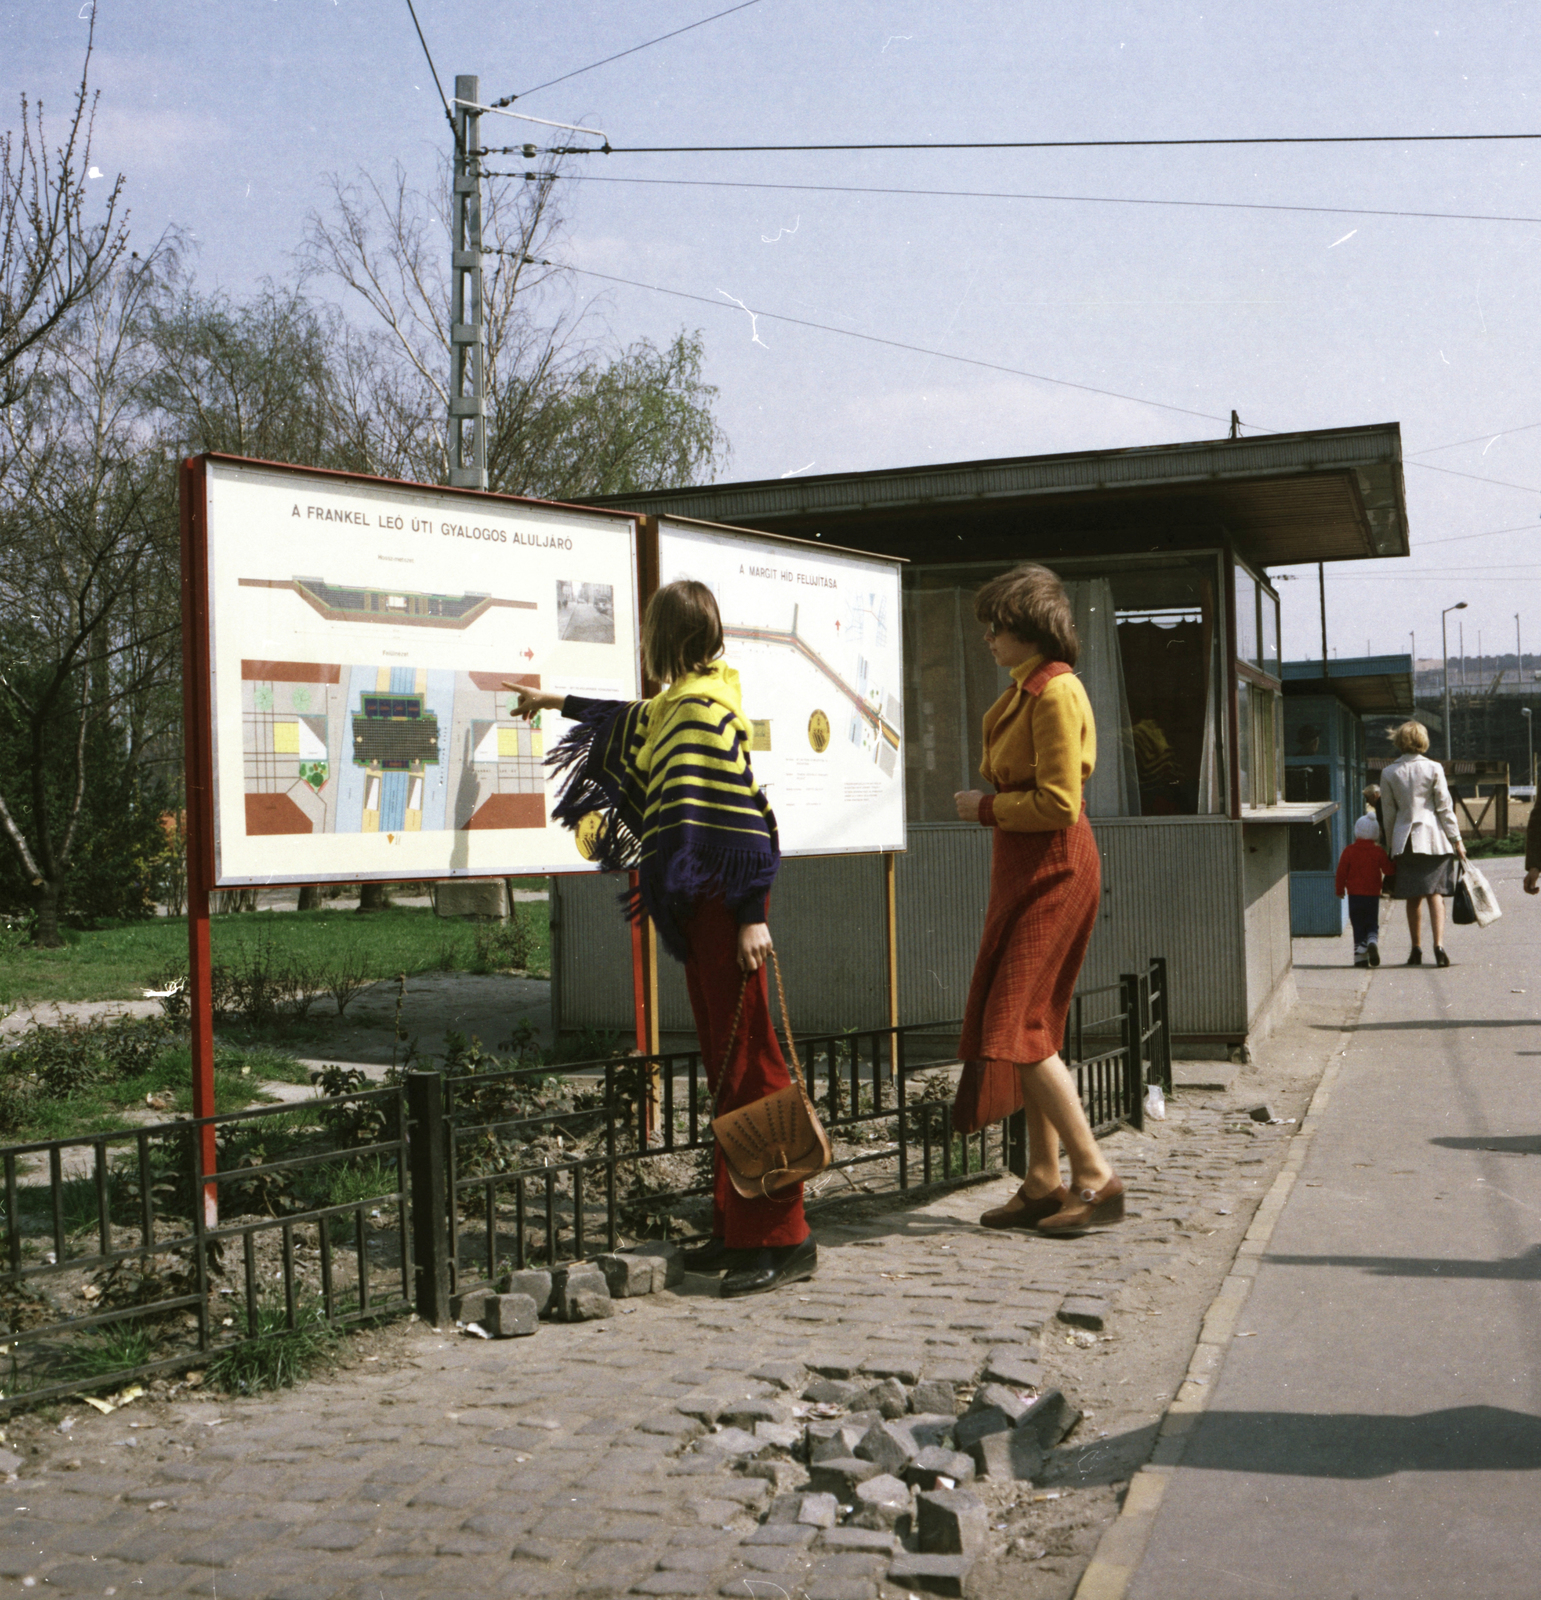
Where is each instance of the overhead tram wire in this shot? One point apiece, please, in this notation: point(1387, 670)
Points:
point(1481, 438)
point(866, 338)
point(428, 55)
point(1049, 144)
point(645, 45)
point(942, 355)
point(1007, 194)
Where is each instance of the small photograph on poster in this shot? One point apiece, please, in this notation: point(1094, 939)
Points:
point(585, 612)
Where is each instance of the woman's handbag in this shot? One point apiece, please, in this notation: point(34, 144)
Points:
point(1464, 910)
point(775, 1142)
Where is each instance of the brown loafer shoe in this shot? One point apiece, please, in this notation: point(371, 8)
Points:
point(1088, 1209)
point(1030, 1213)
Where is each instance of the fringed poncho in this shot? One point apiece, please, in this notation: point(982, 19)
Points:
point(670, 784)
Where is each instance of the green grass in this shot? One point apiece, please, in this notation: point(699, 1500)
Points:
point(117, 1346)
point(280, 1356)
point(99, 1106)
point(118, 963)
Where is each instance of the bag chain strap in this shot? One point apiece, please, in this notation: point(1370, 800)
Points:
point(786, 1026)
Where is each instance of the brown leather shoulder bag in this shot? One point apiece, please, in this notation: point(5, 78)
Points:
point(777, 1141)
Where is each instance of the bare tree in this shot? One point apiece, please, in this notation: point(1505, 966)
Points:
point(568, 412)
point(52, 254)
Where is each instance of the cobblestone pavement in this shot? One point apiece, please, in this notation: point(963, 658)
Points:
point(578, 1463)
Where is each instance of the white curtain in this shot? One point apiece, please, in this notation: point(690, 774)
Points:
point(1114, 788)
point(1209, 765)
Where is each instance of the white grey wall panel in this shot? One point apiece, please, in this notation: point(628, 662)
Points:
point(827, 918)
point(942, 884)
point(590, 954)
point(1267, 901)
point(1171, 886)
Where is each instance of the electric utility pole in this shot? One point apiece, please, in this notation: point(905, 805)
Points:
point(468, 333)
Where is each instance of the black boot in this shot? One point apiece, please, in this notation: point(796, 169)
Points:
point(770, 1268)
point(713, 1256)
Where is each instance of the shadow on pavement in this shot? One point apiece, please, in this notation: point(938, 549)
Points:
point(1509, 1144)
point(1357, 1445)
point(1527, 1266)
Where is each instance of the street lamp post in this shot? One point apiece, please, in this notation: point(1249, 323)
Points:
point(1530, 746)
point(1444, 647)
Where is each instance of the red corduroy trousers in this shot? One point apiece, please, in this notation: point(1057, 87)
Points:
point(755, 1068)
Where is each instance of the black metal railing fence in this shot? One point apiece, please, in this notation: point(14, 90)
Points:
point(519, 1185)
point(116, 1269)
point(349, 1206)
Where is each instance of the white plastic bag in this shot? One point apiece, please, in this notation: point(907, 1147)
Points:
point(1155, 1102)
point(1484, 902)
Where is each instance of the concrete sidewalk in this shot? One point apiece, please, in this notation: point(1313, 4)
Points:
point(1375, 1428)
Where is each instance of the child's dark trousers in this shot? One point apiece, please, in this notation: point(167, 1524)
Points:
point(1364, 916)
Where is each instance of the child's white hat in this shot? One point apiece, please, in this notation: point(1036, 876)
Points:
point(1367, 827)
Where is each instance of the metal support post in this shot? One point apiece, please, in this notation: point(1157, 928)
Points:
point(1161, 1058)
point(430, 1218)
point(467, 333)
point(1134, 1050)
point(197, 725)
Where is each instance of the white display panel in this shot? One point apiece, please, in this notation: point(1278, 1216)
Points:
point(360, 634)
point(817, 640)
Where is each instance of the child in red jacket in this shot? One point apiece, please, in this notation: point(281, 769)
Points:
point(1361, 869)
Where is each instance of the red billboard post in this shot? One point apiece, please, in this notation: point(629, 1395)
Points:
point(197, 726)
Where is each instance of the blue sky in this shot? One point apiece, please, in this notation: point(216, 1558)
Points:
point(226, 115)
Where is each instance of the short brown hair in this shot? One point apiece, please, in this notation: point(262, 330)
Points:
point(681, 631)
point(1411, 736)
point(1030, 603)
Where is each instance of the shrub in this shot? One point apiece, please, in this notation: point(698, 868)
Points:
point(63, 1059)
point(504, 946)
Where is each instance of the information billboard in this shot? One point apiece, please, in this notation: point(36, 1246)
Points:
point(815, 633)
point(360, 634)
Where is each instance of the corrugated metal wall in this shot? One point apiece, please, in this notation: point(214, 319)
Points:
point(942, 885)
point(1171, 886)
point(827, 913)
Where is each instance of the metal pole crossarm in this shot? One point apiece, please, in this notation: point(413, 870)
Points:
point(468, 333)
point(470, 104)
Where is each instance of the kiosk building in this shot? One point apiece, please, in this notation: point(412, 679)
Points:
point(1166, 553)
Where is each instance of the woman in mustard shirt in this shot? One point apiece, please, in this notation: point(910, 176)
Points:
point(1040, 745)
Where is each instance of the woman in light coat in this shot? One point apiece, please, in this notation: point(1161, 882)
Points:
point(1422, 834)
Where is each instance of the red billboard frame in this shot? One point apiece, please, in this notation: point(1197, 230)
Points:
point(198, 746)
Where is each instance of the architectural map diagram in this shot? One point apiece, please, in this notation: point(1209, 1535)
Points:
point(363, 638)
point(338, 603)
point(814, 635)
point(331, 748)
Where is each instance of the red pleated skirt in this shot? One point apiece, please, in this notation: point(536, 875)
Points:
point(1044, 889)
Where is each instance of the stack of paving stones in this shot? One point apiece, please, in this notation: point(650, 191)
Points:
point(837, 1440)
point(581, 1291)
